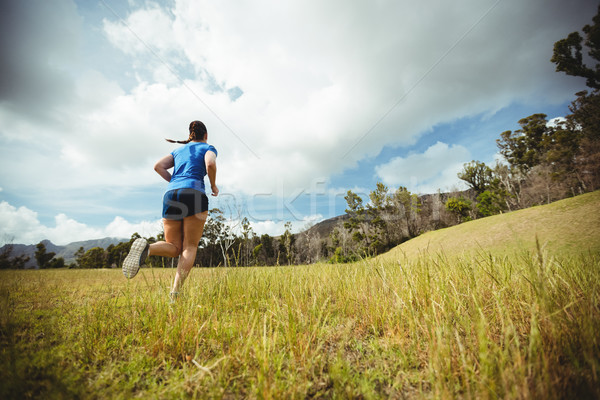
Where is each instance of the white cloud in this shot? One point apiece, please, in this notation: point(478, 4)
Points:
point(426, 172)
point(122, 228)
point(316, 78)
point(149, 36)
point(554, 122)
point(277, 228)
point(21, 225)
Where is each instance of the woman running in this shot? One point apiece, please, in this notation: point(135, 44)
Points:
point(185, 205)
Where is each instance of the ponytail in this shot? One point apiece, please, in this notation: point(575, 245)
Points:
point(197, 132)
point(178, 141)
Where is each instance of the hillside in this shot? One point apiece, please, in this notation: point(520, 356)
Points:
point(569, 226)
point(324, 228)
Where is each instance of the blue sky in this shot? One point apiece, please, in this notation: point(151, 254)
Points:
point(303, 100)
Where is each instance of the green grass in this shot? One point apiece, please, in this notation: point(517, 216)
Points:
point(570, 226)
point(472, 325)
point(510, 328)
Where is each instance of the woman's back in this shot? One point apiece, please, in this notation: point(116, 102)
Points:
point(189, 166)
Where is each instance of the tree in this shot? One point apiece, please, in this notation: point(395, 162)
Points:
point(42, 257)
point(217, 232)
point(477, 175)
point(585, 117)
point(509, 182)
point(341, 238)
point(57, 262)
point(134, 237)
point(93, 258)
point(524, 148)
point(314, 245)
point(460, 207)
point(337, 257)
point(115, 254)
point(562, 148)
point(540, 157)
point(79, 253)
point(308, 245)
point(256, 252)
point(377, 210)
point(568, 53)
point(5, 257)
point(246, 243)
point(490, 203)
point(356, 223)
point(408, 207)
point(491, 196)
point(8, 262)
point(287, 242)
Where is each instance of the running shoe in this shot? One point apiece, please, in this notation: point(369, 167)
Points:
point(136, 257)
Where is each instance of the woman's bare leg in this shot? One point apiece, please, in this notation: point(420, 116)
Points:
point(193, 227)
point(171, 246)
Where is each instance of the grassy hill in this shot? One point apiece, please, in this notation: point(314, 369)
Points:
point(569, 227)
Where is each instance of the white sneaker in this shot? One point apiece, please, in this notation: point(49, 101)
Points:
point(136, 257)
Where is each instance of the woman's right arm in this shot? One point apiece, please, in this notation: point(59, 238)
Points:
point(163, 165)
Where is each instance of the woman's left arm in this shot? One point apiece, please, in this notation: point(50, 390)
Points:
point(210, 160)
point(163, 165)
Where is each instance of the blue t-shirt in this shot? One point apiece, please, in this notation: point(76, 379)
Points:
point(189, 169)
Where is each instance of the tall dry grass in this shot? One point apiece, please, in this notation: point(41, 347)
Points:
point(525, 326)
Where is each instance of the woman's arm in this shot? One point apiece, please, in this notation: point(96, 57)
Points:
point(210, 160)
point(163, 165)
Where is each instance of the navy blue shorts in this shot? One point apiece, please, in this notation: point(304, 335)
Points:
point(181, 203)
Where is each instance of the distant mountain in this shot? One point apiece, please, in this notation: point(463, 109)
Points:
point(67, 252)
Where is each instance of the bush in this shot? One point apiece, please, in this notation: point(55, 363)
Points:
point(460, 207)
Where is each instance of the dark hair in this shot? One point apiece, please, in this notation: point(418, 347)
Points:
point(197, 132)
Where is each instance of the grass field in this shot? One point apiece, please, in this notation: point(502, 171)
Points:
point(480, 325)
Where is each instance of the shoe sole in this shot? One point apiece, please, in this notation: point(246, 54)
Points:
point(135, 258)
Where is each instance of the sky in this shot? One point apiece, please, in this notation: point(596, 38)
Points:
point(303, 99)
